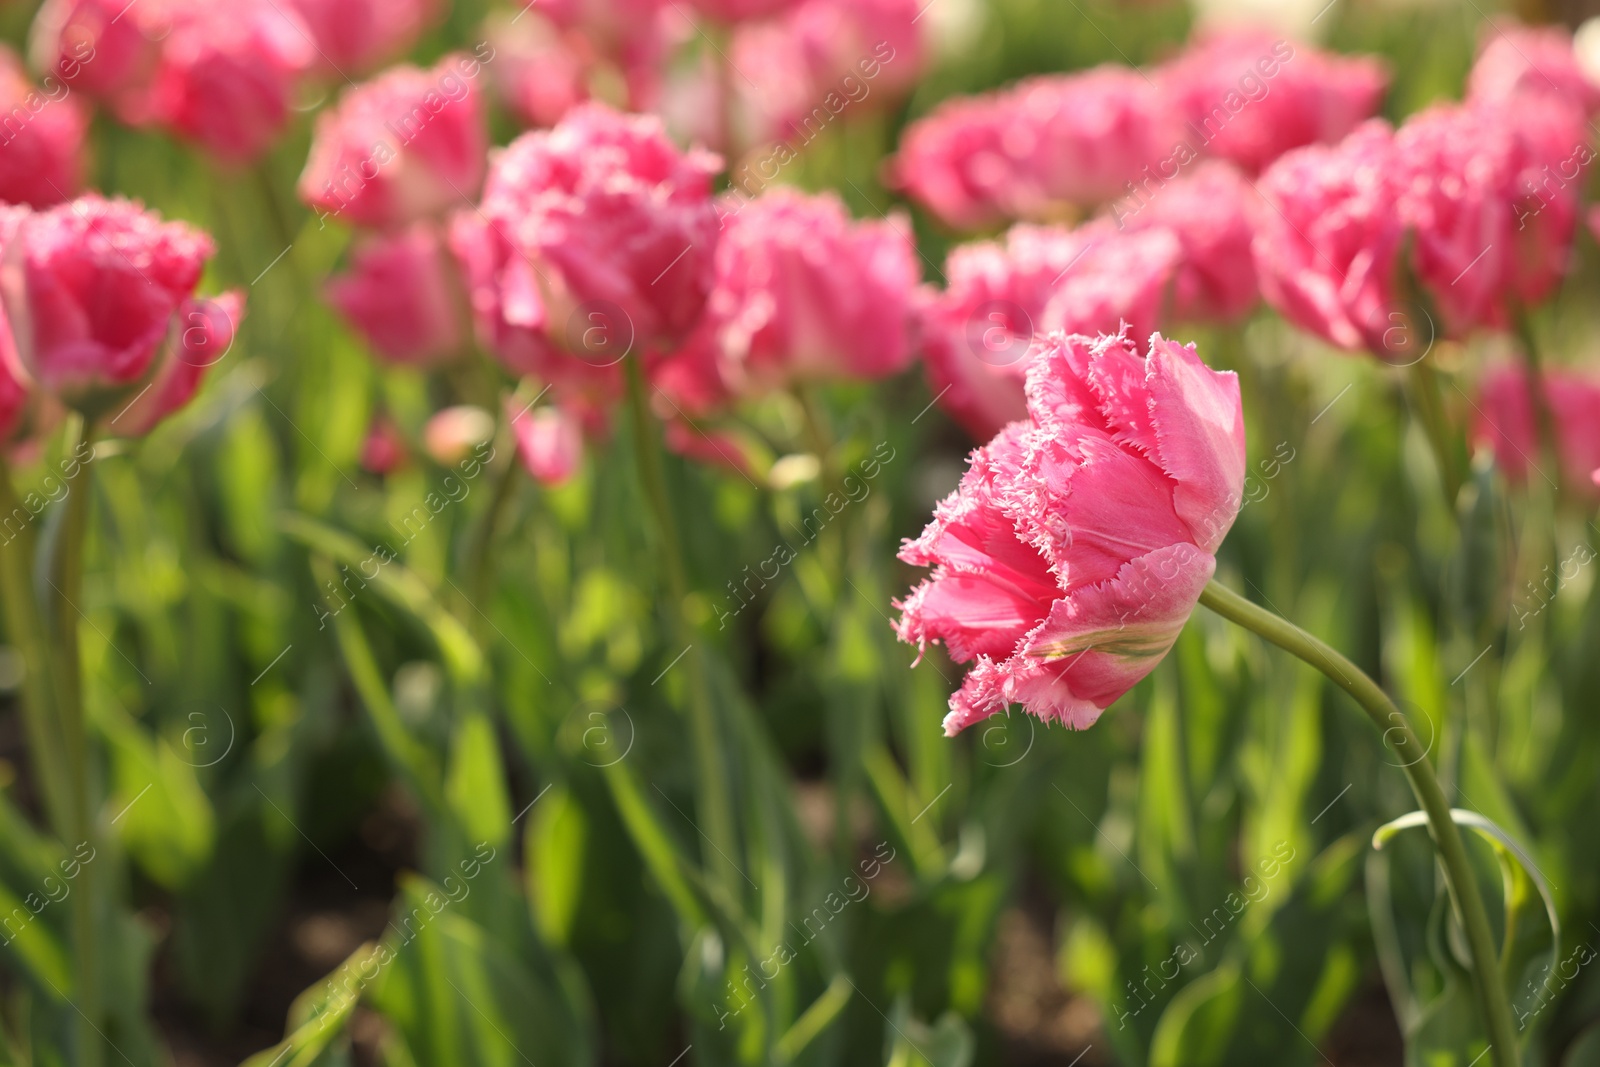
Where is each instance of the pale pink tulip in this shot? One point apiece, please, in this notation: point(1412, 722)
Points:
point(1079, 540)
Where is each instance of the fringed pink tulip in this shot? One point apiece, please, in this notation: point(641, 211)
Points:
point(1211, 212)
point(106, 49)
point(408, 145)
point(1039, 149)
point(1528, 65)
point(354, 36)
point(41, 137)
point(99, 295)
point(406, 295)
point(979, 331)
point(549, 442)
point(954, 163)
point(228, 73)
point(1079, 540)
point(822, 62)
point(1328, 238)
point(1491, 196)
point(1508, 423)
point(1249, 97)
point(596, 240)
point(802, 293)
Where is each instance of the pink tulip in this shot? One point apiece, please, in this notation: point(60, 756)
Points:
point(1211, 212)
point(228, 73)
point(954, 163)
point(1491, 196)
point(99, 297)
point(1508, 423)
point(822, 62)
point(549, 442)
point(741, 10)
point(999, 298)
point(633, 38)
point(13, 403)
point(540, 71)
point(384, 448)
point(1327, 241)
point(1250, 97)
point(405, 146)
point(1079, 540)
point(1528, 64)
point(1038, 149)
point(41, 138)
point(596, 239)
point(803, 293)
point(406, 295)
point(354, 36)
point(106, 49)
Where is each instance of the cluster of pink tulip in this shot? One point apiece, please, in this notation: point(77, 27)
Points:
point(1243, 169)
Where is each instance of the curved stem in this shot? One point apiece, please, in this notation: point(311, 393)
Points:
point(480, 562)
point(710, 767)
point(1452, 852)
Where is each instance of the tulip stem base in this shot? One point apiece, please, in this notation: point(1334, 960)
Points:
point(1398, 734)
point(715, 807)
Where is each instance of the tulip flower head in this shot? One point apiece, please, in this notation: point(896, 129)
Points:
point(802, 293)
point(408, 145)
point(227, 75)
point(978, 333)
point(353, 36)
point(99, 295)
point(1250, 97)
point(1328, 238)
point(41, 139)
point(549, 442)
point(596, 240)
point(1508, 424)
point(1531, 64)
point(406, 295)
point(1079, 540)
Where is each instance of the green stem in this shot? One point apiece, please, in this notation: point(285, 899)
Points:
point(68, 586)
point(25, 627)
point(1549, 448)
point(1459, 877)
point(715, 806)
point(1429, 401)
point(480, 562)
